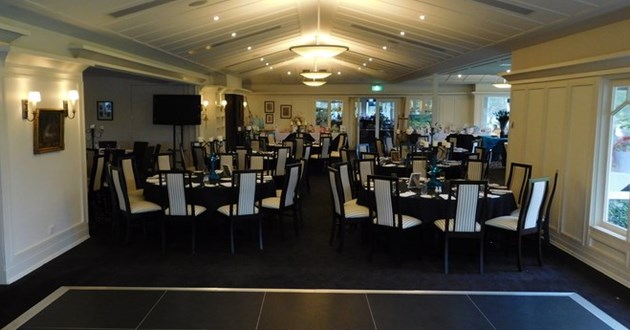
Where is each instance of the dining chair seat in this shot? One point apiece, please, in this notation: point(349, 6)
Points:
point(335, 154)
point(515, 212)
point(138, 206)
point(138, 193)
point(192, 209)
point(507, 222)
point(407, 221)
point(441, 225)
point(271, 202)
point(225, 209)
point(353, 210)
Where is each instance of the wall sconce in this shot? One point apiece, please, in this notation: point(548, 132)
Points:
point(204, 111)
point(73, 96)
point(34, 97)
point(222, 105)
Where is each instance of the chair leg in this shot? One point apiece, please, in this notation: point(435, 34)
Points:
point(539, 242)
point(163, 222)
point(193, 234)
point(260, 237)
point(296, 224)
point(445, 254)
point(342, 229)
point(519, 244)
point(481, 247)
point(231, 235)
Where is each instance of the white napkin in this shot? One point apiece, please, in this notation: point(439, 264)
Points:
point(444, 196)
point(407, 193)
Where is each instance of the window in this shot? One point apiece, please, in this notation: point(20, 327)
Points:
point(329, 114)
point(491, 105)
point(420, 113)
point(618, 162)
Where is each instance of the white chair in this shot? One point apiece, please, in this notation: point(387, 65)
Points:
point(465, 220)
point(287, 201)
point(282, 154)
point(476, 169)
point(345, 209)
point(133, 210)
point(164, 162)
point(341, 143)
point(241, 157)
point(529, 220)
point(227, 160)
point(247, 206)
point(179, 207)
point(519, 174)
point(366, 167)
point(128, 166)
point(419, 165)
point(256, 162)
point(324, 153)
point(386, 208)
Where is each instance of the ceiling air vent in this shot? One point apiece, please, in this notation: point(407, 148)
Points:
point(506, 6)
point(139, 8)
point(396, 39)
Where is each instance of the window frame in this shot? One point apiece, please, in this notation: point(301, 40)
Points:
point(603, 160)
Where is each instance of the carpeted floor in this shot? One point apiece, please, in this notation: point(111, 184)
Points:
point(306, 261)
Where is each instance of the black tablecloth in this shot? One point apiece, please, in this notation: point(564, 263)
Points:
point(450, 172)
point(431, 209)
point(209, 197)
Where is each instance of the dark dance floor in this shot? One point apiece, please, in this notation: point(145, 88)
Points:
point(176, 308)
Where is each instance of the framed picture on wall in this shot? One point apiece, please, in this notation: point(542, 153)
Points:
point(104, 110)
point(285, 111)
point(48, 131)
point(269, 118)
point(269, 107)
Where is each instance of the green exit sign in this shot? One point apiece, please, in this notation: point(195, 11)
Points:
point(377, 88)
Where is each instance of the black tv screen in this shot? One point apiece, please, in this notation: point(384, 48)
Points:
point(176, 109)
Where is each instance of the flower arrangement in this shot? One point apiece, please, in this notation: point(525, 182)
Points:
point(502, 115)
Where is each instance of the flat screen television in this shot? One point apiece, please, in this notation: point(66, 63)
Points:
point(176, 109)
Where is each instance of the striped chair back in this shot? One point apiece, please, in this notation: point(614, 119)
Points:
point(164, 162)
point(476, 169)
point(366, 168)
point(325, 145)
point(256, 162)
point(281, 160)
point(344, 177)
point(333, 175)
point(532, 212)
point(385, 195)
point(299, 148)
point(118, 180)
point(241, 157)
point(96, 173)
point(289, 193)
point(307, 151)
point(128, 167)
point(176, 189)
point(419, 165)
point(470, 198)
point(517, 180)
point(245, 183)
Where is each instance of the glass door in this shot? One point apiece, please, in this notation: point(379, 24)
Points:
point(376, 120)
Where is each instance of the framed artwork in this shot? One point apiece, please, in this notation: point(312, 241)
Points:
point(285, 111)
point(104, 110)
point(269, 107)
point(269, 118)
point(48, 131)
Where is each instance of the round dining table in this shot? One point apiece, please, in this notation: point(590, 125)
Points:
point(431, 206)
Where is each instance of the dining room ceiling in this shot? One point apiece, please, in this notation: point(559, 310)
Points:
point(398, 41)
